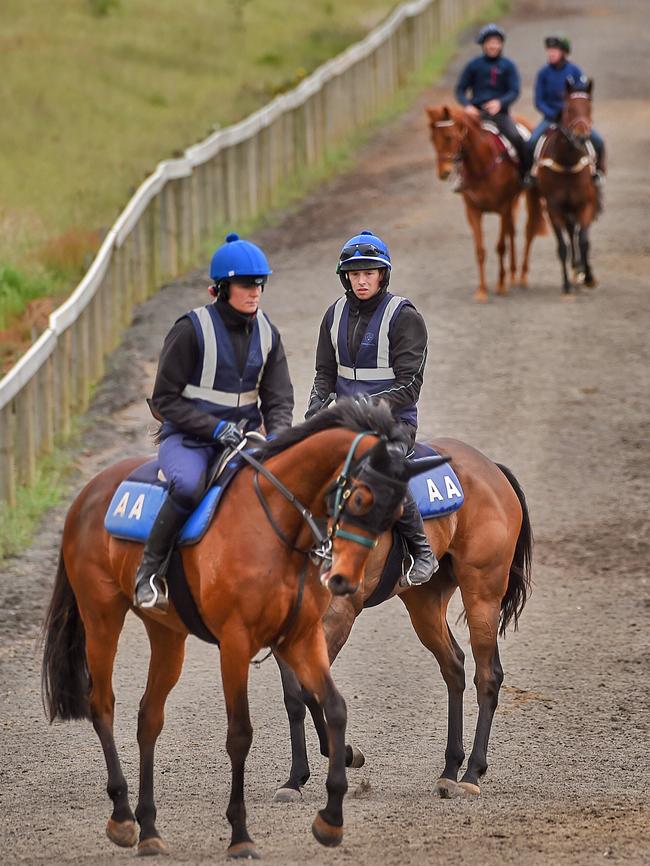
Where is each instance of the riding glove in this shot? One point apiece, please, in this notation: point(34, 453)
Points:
point(228, 434)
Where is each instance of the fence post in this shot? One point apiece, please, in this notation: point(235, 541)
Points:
point(8, 454)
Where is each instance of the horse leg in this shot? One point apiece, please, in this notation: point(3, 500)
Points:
point(556, 222)
point(103, 629)
point(165, 666)
point(309, 660)
point(235, 660)
point(512, 231)
point(501, 253)
point(483, 612)
point(427, 607)
point(294, 703)
point(338, 622)
point(590, 280)
point(576, 257)
point(474, 218)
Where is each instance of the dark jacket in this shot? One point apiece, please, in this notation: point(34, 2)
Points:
point(179, 357)
point(408, 352)
point(488, 78)
point(550, 87)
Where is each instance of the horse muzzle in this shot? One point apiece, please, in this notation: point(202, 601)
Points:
point(444, 171)
point(338, 584)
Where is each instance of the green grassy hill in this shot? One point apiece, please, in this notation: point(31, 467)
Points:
point(95, 92)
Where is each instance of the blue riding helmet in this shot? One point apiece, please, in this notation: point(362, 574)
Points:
point(490, 30)
point(239, 258)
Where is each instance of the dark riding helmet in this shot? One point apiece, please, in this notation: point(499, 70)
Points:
point(364, 251)
point(490, 30)
point(558, 41)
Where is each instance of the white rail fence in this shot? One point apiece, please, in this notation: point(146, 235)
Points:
point(236, 173)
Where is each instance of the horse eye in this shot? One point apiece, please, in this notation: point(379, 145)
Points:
point(360, 502)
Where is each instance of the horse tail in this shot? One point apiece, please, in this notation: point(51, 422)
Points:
point(537, 224)
point(519, 581)
point(65, 679)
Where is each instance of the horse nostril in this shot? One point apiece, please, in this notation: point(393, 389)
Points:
point(339, 585)
point(444, 173)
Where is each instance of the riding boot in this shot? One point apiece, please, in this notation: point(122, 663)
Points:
point(411, 527)
point(150, 582)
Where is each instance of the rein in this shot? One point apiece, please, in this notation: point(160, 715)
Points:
point(322, 542)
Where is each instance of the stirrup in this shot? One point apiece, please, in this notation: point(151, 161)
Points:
point(157, 596)
point(407, 567)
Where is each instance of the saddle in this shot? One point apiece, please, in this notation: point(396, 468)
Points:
point(503, 141)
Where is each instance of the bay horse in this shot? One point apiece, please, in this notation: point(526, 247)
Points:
point(485, 549)
point(564, 169)
point(246, 576)
point(491, 185)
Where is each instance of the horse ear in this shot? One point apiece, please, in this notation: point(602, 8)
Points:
point(379, 458)
point(569, 84)
point(446, 113)
point(432, 112)
point(415, 467)
point(590, 85)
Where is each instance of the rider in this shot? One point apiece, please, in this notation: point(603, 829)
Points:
point(222, 368)
point(374, 343)
point(550, 89)
point(493, 83)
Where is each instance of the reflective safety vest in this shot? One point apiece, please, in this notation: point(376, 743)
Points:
point(217, 386)
point(371, 372)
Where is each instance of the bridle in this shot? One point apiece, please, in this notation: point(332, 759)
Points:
point(566, 130)
point(374, 520)
point(458, 154)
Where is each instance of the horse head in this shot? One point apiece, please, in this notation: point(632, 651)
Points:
point(576, 112)
point(448, 130)
point(369, 505)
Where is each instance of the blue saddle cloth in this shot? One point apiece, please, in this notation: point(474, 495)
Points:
point(438, 492)
point(138, 499)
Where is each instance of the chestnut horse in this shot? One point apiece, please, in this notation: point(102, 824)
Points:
point(564, 169)
point(485, 548)
point(245, 576)
point(491, 184)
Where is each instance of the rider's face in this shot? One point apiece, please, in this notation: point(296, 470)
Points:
point(365, 284)
point(492, 46)
point(554, 55)
point(244, 299)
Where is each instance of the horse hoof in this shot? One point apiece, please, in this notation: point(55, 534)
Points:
point(122, 833)
point(325, 833)
point(287, 795)
point(591, 283)
point(152, 847)
point(501, 290)
point(358, 758)
point(468, 789)
point(243, 851)
point(447, 788)
point(481, 297)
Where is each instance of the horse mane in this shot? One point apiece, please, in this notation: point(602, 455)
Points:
point(355, 415)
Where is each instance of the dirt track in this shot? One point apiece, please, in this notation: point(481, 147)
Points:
point(556, 390)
